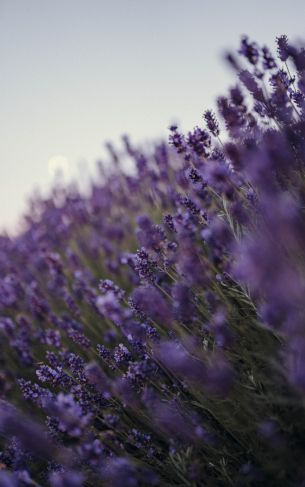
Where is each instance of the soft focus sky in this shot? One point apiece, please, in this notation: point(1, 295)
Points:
point(76, 73)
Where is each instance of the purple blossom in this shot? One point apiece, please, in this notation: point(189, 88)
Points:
point(155, 323)
point(211, 122)
point(249, 50)
point(68, 478)
point(70, 416)
point(177, 140)
point(96, 377)
point(121, 354)
point(149, 301)
point(282, 47)
point(252, 86)
point(107, 285)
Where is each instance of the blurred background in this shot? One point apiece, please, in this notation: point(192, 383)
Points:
point(77, 73)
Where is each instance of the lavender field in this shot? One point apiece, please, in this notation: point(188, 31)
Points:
point(152, 333)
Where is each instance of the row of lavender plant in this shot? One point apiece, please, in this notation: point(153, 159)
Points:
point(153, 332)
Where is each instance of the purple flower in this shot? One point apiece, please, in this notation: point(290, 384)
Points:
point(34, 392)
point(96, 377)
point(51, 337)
point(7, 325)
point(107, 285)
point(182, 360)
point(211, 122)
point(149, 301)
point(199, 141)
point(68, 478)
point(53, 376)
point(144, 266)
point(70, 416)
point(252, 86)
point(249, 50)
point(121, 354)
point(268, 60)
point(120, 472)
point(175, 357)
point(183, 304)
point(7, 479)
point(282, 47)
point(177, 140)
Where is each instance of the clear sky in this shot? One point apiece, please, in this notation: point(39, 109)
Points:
point(76, 73)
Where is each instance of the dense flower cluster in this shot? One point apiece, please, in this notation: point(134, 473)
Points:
point(153, 332)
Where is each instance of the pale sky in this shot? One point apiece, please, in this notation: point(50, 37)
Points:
point(76, 73)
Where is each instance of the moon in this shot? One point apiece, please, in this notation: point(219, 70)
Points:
point(58, 166)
